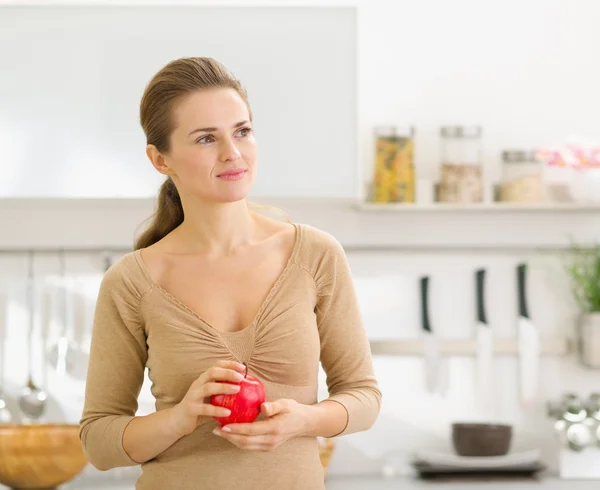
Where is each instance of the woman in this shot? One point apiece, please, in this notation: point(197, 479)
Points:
point(211, 289)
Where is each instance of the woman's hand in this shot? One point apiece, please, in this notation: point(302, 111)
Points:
point(286, 420)
point(195, 408)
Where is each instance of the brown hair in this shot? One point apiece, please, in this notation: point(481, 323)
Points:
point(165, 90)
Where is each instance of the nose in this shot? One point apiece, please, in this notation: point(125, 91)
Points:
point(229, 151)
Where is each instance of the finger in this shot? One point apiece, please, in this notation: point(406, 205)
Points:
point(223, 374)
point(208, 410)
point(272, 408)
point(236, 366)
point(246, 442)
point(262, 427)
point(216, 388)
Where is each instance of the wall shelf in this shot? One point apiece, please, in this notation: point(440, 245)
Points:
point(483, 207)
point(550, 346)
point(369, 227)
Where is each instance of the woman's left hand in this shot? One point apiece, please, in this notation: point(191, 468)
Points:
point(286, 420)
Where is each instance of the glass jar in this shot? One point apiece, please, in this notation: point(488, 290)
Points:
point(394, 176)
point(461, 179)
point(522, 177)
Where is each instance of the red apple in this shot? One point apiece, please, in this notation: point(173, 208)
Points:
point(244, 405)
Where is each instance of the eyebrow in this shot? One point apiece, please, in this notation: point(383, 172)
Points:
point(209, 130)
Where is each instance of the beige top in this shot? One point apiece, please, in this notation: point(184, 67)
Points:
point(310, 314)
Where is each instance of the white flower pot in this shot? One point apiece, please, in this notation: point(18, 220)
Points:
point(589, 338)
point(584, 185)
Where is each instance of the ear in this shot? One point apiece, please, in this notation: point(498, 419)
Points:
point(158, 160)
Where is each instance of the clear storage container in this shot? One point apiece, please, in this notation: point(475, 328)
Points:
point(394, 173)
point(461, 175)
point(522, 177)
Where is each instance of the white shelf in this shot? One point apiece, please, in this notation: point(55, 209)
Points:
point(485, 207)
point(550, 346)
point(507, 228)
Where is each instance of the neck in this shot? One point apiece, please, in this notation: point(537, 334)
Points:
point(217, 228)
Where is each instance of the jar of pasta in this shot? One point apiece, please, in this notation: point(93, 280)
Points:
point(394, 175)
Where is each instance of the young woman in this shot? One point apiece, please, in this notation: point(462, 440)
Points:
point(212, 289)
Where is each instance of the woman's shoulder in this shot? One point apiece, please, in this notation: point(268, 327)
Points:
point(319, 241)
point(128, 274)
point(318, 248)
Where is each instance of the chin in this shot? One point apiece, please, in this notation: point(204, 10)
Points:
point(230, 192)
point(233, 195)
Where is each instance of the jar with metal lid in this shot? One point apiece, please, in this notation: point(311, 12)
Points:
point(522, 177)
point(461, 179)
point(394, 176)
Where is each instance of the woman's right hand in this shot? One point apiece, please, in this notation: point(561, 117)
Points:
point(195, 408)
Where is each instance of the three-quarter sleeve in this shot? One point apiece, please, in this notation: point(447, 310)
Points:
point(345, 349)
point(115, 375)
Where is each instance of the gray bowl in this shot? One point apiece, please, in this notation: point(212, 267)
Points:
point(480, 439)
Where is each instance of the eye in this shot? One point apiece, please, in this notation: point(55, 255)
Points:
point(209, 138)
point(243, 132)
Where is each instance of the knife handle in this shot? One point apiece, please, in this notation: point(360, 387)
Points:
point(479, 287)
point(424, 283)
point(521, 286)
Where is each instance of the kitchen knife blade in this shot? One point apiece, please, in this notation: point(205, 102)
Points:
point(431, 352)
point(529, 344)
point(485, 344)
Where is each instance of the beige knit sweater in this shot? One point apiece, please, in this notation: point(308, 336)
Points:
point(311, 314)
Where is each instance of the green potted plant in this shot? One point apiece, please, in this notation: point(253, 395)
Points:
point(584, 272)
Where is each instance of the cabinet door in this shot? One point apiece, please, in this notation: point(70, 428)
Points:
point(70, 91)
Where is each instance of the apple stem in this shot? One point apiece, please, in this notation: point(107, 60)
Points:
point(246, 366)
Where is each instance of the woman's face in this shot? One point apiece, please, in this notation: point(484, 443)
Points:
point(213, 150)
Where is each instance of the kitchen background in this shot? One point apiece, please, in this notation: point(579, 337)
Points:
point(523, 72)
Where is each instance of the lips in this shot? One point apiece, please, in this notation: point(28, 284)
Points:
point(232, 173)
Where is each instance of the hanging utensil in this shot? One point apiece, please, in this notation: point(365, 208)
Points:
point(107, 261)
point(431, 350)
point(529, 344)
point(485, 345)
point(46, 322)
point(32, 401)
point(79, 358)
point(6, 416)
point(60, 354)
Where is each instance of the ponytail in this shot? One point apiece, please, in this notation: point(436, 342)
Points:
point(167, 217)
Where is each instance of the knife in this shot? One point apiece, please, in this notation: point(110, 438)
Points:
point(485, 344)
point(431, 352)
point(529, 344)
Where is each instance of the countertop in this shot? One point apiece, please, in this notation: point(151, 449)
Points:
point(381, 483)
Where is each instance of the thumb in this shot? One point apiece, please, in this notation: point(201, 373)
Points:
point(273, 408)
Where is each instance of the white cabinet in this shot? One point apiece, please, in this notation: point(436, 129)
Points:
point(69, 113)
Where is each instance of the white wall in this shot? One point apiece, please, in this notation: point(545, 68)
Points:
point(522, 69)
